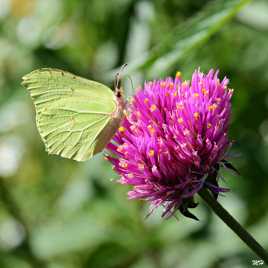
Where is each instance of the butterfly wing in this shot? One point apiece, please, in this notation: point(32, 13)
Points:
point(72, 113)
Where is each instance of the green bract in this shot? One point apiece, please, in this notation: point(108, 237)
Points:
point(75, 117)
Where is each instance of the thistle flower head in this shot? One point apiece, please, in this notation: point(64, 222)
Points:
point(173, 139)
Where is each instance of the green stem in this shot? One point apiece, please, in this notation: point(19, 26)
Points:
point(15, 212)
point(234, 225)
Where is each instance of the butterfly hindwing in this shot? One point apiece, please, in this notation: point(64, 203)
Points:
point(71, 112)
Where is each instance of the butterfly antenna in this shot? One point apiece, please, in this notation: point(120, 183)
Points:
point(131, 81)
point(117, 81)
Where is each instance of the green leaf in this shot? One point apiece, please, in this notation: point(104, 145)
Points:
point(186, 37)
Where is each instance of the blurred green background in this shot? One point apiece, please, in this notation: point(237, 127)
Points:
point(58, 213)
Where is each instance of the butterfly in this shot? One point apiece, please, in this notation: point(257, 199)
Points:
point(75, 117)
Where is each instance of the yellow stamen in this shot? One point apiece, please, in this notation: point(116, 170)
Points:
point(121, 129)
point(204, 91)
point(178, 74)
point(153, 108)
point(151, 152)
point(167, 94)
point(196, 95)
point(180, 120)
point(151, 129)
point(162, 84)
point(171, 85)
point(209, 125)
point(123, 164)
point(175, 94)
point(146, 100)
point(196, 115)
point(212, 107)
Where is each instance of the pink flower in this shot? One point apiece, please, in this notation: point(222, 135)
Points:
point(173, 139)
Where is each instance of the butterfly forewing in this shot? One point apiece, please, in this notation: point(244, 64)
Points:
point(71, 112)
